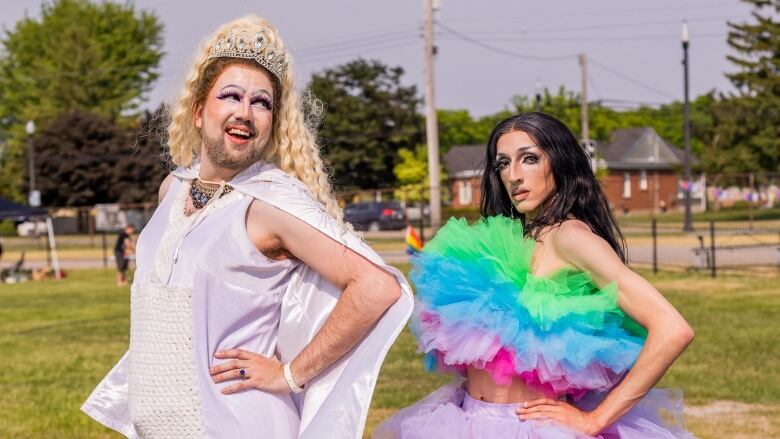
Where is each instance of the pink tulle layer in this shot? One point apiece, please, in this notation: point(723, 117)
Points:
point(454, 349)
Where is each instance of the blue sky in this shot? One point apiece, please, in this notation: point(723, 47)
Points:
point(489, 50)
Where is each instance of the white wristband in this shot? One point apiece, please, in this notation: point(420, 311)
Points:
point(288, 377)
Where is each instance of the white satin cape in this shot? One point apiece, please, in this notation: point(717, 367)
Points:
point(335, 403)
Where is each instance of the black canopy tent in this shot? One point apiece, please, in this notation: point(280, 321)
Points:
point(9, 209)
point(19, 212)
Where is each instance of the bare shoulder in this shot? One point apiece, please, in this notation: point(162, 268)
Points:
point(261, 226)
point(574, 239)
point(164, 186)
point(572, 229)
point(259, 216)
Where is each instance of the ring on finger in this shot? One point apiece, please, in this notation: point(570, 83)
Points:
point(242, 373)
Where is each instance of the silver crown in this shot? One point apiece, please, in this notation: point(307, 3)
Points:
point(257, 48)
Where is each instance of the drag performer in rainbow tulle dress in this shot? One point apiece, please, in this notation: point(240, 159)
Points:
point(480, 309)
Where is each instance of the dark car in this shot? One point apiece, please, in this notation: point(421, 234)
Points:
point(375, 215)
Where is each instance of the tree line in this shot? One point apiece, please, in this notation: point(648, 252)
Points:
point(82, 71)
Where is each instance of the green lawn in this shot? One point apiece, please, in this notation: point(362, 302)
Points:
point(59, 339)
point(731, 214)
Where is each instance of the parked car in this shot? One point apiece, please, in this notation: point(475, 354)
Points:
point(375, 215)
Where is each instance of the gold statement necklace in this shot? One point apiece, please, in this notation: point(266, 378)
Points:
point(201, 192)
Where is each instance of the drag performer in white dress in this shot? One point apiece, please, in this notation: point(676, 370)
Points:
point(255, 312)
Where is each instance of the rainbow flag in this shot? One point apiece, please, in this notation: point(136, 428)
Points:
point(413, 242)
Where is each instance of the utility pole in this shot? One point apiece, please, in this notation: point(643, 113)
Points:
point(688, 225)
point(584, 98)
point(590, 147)
point(432, 127)
point(538, 95)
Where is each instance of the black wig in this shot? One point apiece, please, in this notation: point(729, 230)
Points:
point(578, 193)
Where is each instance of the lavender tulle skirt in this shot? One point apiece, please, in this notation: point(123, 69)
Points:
point(451, 413)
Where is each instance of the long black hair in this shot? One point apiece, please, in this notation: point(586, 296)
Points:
point(577, 194)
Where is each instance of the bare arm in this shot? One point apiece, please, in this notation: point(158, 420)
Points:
point(368, 291)
point(668, 332)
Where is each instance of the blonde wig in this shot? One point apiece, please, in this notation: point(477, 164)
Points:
point(293, 143)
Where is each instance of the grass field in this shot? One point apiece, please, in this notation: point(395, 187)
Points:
point(58, 340)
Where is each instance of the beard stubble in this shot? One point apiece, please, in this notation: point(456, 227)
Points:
point(220, 156)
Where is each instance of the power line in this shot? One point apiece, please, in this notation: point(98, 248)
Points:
point(383, 36)
point(612, 39)
point(593, 84)
point(631, 80)
point(357, 46)
point(351, 50)
point(415, 25)
point(600, 13)
point(500, 50)
point(625, 102)
point(624, 25)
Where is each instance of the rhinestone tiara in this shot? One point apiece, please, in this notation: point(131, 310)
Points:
point(256, 47)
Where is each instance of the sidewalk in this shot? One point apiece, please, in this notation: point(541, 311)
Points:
point(390, 256)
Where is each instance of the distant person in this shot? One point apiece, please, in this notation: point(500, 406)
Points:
point(123, 250)
point(249, 287)
point(535, 308)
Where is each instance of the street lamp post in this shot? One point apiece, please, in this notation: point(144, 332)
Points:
point(34, 198)
point(688, 225)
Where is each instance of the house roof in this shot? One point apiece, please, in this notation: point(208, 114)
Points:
point(628, 148)
point(464, 161)
point(640, 148)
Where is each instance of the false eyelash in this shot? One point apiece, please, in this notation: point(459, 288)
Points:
point(228, 93)
point(266, 101)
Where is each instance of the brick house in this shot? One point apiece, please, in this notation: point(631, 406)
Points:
point(464, 172)
point(643, 171)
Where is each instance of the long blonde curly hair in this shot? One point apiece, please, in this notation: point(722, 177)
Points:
point(293, 144)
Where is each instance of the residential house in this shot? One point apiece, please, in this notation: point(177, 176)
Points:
point(464, 165)
point(644, 171)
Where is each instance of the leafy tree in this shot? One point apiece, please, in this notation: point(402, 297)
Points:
point(145, 162)
point(667, 119)
point(98, 57)
point(457, 127)
point(369, 115)
point(411, 174)
point(747, 137)
point(83, 159)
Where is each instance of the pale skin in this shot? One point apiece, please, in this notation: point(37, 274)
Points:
point(528, 179)
point(368, 291)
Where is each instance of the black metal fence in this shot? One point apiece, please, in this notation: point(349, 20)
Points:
point(711, 247)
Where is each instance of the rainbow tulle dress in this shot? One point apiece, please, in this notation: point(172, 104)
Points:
point(478, 305)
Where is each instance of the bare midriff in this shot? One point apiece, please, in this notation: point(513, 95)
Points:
point(481, 386)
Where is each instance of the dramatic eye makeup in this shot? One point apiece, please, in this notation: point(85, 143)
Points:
point(501, 163)
point(234, 93)
point(263, 101)
point(525, 157)
point(229, 94)
point(530, 158)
